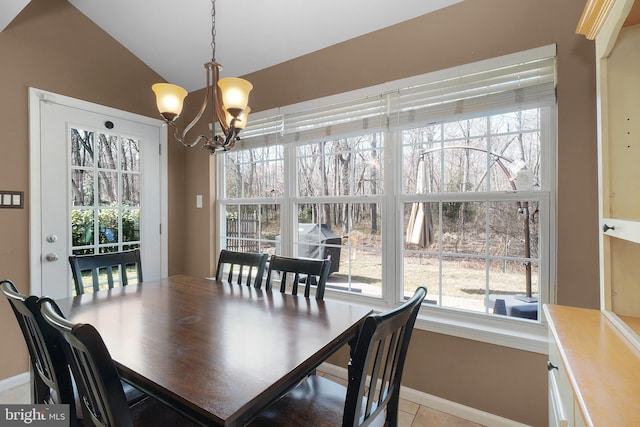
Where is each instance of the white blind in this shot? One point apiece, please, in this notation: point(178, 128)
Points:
point(518, 86)
point(527, 83)
point(338, 120)
point(261, 131)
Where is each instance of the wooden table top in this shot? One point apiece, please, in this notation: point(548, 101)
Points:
point(603, 367)
point(217, 352)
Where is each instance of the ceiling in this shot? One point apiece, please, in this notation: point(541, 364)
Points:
point(174, 38)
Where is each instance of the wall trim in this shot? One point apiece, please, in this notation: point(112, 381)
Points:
point(465, 412)
point(15, 381)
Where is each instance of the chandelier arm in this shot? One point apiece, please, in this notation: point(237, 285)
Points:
point(217, 144)
point(179, 138)
point(231, 144)
point(198, 116)
point(218, 112)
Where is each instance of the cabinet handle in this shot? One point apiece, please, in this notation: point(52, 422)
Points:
point(551, 366)
point(606, 228)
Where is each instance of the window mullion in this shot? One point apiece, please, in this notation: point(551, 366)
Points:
point(288, 217)
point(392, 288)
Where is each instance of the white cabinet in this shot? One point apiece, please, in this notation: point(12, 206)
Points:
point(619, 82)
point(563, 408)
point(560, 393)
point(615, 25)
point(593, 379)
point(596, 353)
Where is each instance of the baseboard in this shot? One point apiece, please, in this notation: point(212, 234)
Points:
point(15, 381)
point(437, 403)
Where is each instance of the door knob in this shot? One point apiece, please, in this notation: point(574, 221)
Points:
point(52, 256)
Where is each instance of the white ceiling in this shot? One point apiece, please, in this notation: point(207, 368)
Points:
point(174, 38)
point(9, 9)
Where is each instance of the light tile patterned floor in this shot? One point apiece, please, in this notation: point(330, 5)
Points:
point(16, 395)
point(410, 415)
point(413, 415)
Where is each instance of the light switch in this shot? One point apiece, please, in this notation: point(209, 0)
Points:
point(198, 200)
point(11, 199)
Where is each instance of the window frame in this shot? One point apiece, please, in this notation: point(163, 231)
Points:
point(505, 331)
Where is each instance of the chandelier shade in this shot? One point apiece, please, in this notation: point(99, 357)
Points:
point(235, 93)
point(241, 120)
point(169, 99)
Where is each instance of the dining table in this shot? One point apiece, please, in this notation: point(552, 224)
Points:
point(217, 352)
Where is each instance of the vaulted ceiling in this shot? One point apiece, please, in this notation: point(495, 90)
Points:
point(174, 38)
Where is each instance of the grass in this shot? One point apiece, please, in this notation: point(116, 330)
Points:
point(87, 279)
point(463, 280)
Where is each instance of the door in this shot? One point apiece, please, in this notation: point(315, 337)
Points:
point(100, 189)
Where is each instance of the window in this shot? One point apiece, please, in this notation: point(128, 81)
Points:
point(473, 200)
point(105, 188)
point(445, 180)
point(254, 184)
point(339, 204)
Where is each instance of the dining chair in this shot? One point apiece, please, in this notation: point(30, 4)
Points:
point(373, 390)
point(231, 262)
point(50, 379)
point(100, 390)
point(312, 272)
point(106, 263)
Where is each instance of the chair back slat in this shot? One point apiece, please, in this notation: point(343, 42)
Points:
point(314, 272)
point(99, 264)
point(99, 388)
point(232, 266)
point(375, 369)
point(51, 383)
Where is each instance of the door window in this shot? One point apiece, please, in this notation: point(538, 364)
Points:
point(105, 192)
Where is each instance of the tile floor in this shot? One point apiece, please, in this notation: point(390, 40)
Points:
point(411, 414)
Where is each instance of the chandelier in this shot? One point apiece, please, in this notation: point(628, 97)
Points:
point(229, 97)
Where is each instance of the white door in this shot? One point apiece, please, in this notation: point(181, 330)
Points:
point(100, 189)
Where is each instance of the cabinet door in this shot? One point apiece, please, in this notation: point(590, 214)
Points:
point(560, 392)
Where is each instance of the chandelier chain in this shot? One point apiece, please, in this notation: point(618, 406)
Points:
point(213, 31)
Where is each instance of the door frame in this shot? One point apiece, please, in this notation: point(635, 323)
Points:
point(38, 96)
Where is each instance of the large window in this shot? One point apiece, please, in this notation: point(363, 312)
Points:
point(474, 197)
point(447, 180)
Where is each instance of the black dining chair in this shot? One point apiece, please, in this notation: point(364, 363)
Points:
point(50, 379)
point(106, 263)
point(371, 400)
point(247, 268)
point(100, 390)
point(310, 272)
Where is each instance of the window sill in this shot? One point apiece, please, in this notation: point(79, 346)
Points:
point(520, 334)
point(527, 335)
